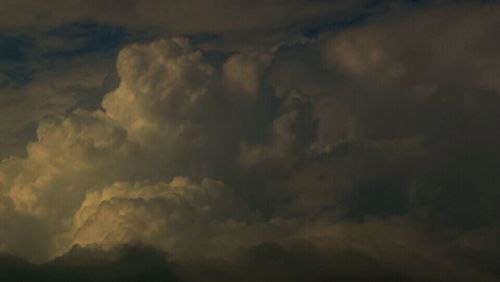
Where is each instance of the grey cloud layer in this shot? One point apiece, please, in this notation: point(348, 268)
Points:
point(179, 16)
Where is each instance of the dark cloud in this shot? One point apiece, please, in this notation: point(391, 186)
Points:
point(359, 138)
point(125, 263)
point(174, 15)
point(299, 261)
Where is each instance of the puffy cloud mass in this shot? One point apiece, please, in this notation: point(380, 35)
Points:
point(363, 153)
point(160, 84)
point(108, 177)
point(243, 72)
point(166, 215)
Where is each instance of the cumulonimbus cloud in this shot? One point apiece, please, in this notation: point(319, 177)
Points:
point(68, 180)
point(344, 141)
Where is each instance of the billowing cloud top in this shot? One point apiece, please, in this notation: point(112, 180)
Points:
point(293, 144)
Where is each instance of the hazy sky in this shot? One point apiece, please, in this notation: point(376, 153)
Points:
point(265, 140)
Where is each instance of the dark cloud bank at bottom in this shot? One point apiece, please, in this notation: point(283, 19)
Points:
point(297, 261)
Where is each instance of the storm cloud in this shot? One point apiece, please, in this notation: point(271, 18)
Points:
point(290, 141)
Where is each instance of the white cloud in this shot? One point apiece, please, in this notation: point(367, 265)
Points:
point(147, 127)
point(165, 215)
point(159, 85)
point(243, 72)
point(363, 54)
point(54, 89)
point(71, 155)
point(422, 51)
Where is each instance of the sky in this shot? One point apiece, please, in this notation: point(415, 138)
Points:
point(265, 140)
